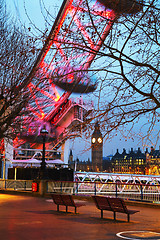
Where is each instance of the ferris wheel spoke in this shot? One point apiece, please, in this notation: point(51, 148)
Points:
point(76, 37)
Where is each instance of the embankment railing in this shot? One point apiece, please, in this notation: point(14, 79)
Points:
point(15, 185)
point(130, 191)
point(141, 192)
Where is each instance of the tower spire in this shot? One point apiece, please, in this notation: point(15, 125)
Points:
point(97, 149)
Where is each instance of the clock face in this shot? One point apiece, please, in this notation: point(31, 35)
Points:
point(99, 140)
point(93, 140)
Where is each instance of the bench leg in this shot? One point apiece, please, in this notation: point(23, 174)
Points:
point(101, 213)
point(75, 210)
point(128, 217)
point(66, 208)
point(114, 214)
point(57, 208)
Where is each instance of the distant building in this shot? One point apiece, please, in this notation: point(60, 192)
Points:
point(96, 164)
point(78, 165)
point(153, 162)
point(136, 162)
point(97, 149)
point(133, 162)
point(107, 165)
point(88, 167)
point(70, 160)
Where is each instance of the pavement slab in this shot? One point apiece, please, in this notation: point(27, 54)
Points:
point(27, 218)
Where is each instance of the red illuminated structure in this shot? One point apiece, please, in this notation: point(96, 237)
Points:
point(65, 61)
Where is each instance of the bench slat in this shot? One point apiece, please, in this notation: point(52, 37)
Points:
point(65, 200)
point(117, 205)
point(112, 204)
point(102, 203)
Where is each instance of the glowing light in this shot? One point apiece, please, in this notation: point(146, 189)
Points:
point(42, 117)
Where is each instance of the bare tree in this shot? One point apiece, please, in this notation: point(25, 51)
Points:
point(132, 75)
point(17, 55)
point(126, 66)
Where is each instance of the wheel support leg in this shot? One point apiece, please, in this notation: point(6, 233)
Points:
point(114, 215)
point(101, 213)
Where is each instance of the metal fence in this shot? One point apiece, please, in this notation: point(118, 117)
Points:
point(141, 192)
point(16, 185)
point(61, 187)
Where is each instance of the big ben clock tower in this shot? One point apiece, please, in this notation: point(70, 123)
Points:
point(97, 149)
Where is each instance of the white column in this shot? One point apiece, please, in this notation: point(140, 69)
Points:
point(65, 151)
point(15, 173)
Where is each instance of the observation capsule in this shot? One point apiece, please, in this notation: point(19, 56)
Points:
point(74, 80)
point(123, 6)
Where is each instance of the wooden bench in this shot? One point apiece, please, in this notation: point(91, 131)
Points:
point(112, 204)
point(65, 200)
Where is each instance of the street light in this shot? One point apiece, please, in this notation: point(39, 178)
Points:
point(43, 132)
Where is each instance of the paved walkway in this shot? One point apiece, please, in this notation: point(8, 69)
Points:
point(27, 218)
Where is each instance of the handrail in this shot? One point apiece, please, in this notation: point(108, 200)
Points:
point(130, 191)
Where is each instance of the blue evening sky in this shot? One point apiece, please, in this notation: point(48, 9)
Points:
point(35, 10)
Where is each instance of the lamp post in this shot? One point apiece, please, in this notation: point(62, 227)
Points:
point(43, 132)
